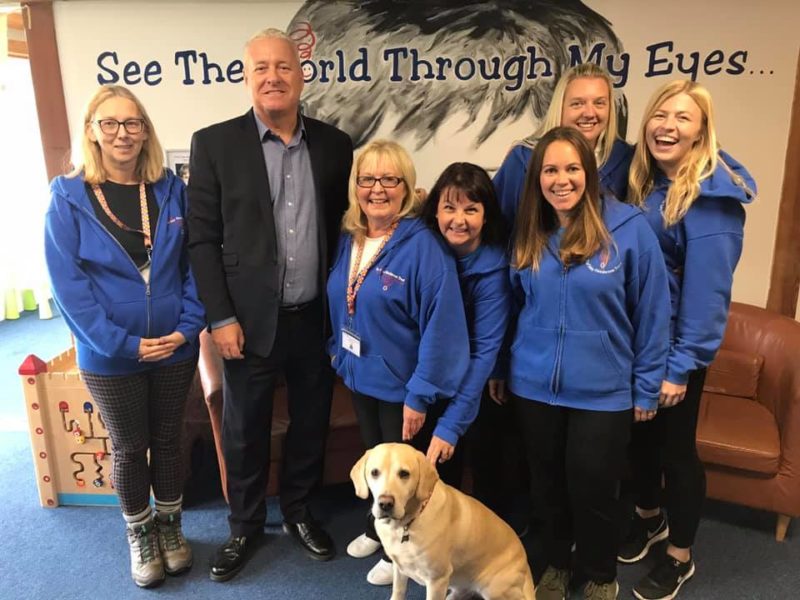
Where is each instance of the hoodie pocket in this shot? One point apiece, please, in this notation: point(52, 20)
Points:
point(374, 377)
point(533, 355)
point(131, 316)
point(165, 313)
point(588, 366)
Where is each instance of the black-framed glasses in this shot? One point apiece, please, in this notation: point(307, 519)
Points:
point(111, 126)
point(387, 181)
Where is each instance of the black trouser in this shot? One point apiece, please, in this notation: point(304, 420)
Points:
point(144, 412)
point(496, 456)
point(667, 446)
point(382, 422)
point(298, 353)
point(576, 459)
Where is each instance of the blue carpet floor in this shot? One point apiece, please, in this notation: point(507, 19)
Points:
point(72, 552)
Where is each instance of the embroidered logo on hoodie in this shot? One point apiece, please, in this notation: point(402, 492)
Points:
point(388, 279)
point(605, 262)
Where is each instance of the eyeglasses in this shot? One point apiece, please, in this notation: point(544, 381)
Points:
point(387, 181)
point(111, 126)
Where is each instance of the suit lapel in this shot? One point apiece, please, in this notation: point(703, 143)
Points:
point(254, 168)
point(317, 154)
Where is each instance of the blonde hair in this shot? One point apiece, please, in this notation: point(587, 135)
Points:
point(536, 220)
point(697, 165)
point(150, 163)
point(354, 221)
point(552, 119)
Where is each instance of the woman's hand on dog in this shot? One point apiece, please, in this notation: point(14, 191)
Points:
point(412, 422)
point(440, 451)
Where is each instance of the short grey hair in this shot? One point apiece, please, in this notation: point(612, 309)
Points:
point(270, 33)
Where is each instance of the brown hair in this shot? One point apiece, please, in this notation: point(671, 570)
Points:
point(537, 220)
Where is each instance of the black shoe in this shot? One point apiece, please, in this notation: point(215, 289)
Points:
point(642, 535)
point(229, 558)
point(314, 539)
point(665, 579)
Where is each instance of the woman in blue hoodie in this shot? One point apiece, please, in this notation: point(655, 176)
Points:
point(583, 99)
point(399, 335)
point(587, 356)
point(693, 195)
point(116, 252)
point(463, 208)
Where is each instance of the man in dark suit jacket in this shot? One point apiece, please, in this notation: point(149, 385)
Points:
point(267, 193)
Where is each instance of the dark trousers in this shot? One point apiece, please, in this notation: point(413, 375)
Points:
point(496, 456)
point(382, 422)
point(298, 353)
point(576, 458)
point(142, 412)
point(666, 446)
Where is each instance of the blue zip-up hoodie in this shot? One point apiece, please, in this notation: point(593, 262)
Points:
point(595, 336)
point(509, 180)
point(487, 298)
point(410, 319)
point(701, 252)
point(105, 301)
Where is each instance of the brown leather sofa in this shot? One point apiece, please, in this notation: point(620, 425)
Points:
point(748, 434)
point(344, 446)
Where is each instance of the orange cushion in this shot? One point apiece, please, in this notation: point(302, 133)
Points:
point(738, 433)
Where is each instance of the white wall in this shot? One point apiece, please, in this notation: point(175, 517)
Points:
point(752, 109)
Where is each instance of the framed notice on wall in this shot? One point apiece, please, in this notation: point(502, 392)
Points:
point(178, 161)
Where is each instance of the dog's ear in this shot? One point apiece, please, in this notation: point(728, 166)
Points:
point(359, 476)
point(428, 476)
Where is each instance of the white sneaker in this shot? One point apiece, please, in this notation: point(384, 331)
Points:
point(381, 573)
point(362, 546)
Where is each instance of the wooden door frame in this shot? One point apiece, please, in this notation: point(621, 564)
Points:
point(48, 88)
point(785, 277)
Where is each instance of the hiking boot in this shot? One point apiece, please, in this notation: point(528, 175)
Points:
point(642, 535)
point(601, 591)
point(665, 580)
point(147, 567)
point(553, 585)
point(175, 551)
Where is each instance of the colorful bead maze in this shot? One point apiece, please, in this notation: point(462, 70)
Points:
point(71, 448)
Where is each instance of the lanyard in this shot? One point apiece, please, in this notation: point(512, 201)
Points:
point(145, 230)
point(357, 277)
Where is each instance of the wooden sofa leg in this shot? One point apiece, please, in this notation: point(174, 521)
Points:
point(783, 525)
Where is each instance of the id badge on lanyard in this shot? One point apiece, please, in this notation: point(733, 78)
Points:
point(351, 341)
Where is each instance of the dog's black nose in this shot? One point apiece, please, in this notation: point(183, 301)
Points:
point(386, 505)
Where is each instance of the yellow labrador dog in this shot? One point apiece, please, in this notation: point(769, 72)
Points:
point(436, 535)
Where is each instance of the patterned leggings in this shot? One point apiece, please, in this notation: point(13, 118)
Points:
point(142, 412)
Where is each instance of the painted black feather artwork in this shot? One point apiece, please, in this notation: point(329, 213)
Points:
point(421, 62)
